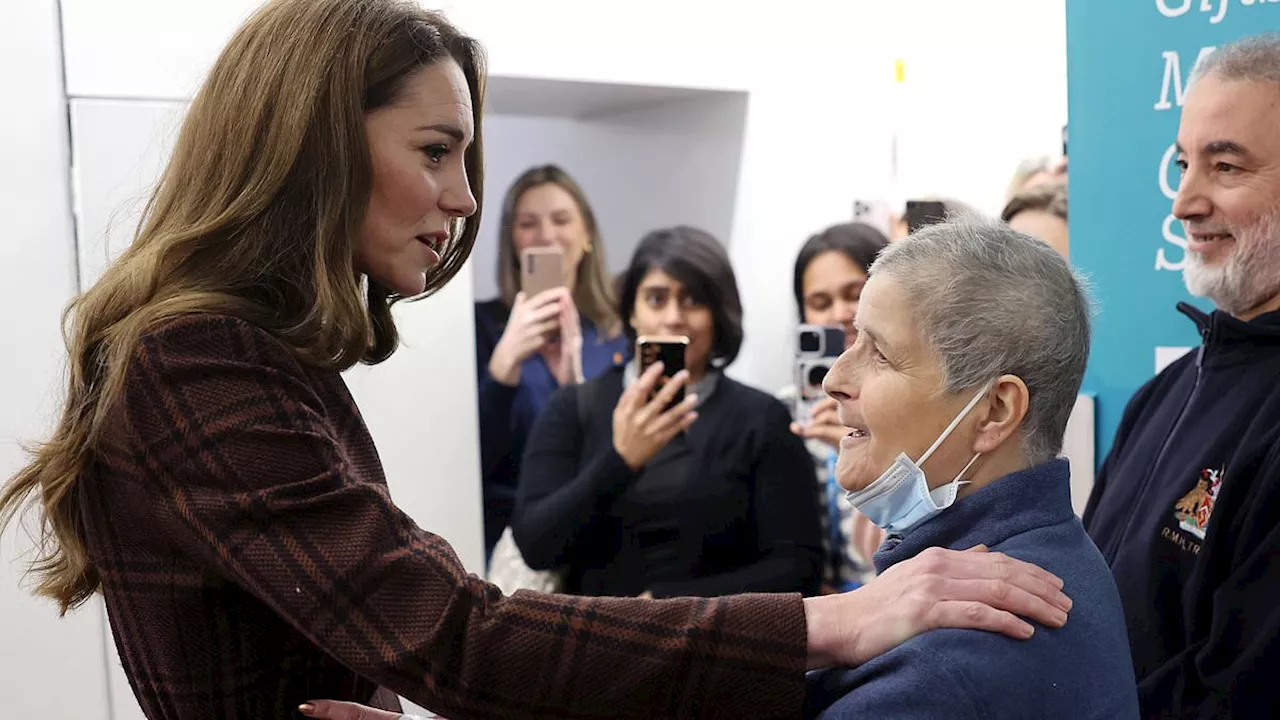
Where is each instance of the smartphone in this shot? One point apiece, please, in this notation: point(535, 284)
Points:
point(667, 349)
point(921, 213)
point(819, 341)
point(541, 268)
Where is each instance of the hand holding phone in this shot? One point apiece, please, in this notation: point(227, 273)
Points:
point(533, 321)
point(646, 419)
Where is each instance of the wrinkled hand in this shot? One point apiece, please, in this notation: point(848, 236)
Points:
point(334, 710)
point(938, 588)
point(642, 426)
point(532, 322)
point(824, 424)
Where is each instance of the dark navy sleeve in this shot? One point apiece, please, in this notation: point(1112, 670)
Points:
point(559, 499)
point(494, 399)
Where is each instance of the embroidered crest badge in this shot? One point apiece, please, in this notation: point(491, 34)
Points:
point(1196, 507)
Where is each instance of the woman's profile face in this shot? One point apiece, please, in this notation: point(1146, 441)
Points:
point(416, 147)
point(831, 288)
point(890, 388)
point(545, 215)
point(665, 307)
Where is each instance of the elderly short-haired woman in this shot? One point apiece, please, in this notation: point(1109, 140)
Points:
point(972, 341)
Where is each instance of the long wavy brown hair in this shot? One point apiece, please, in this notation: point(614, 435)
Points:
point(256, 215)
point(593, 288)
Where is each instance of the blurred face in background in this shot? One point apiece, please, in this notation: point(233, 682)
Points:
point(548, 215)
point(1044, 226)
point(832, 288)
point(1229, 197)
point(664, 306)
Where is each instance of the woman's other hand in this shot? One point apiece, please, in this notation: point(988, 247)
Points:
point(532, 322)
point(824, 424)
point(642, 425)
point(565, 357)
point(334, 710)
point(938, 588)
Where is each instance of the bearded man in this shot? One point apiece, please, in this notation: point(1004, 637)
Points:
point(1186, 508)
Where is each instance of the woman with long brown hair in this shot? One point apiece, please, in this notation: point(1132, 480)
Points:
point(211, 477)
point(528, 347)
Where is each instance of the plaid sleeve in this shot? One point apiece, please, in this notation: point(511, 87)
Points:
point(250, 478)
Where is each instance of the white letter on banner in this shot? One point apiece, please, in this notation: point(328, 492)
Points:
point(1171, 237)
point(1173, 76)
point(1166, 189)
point(1165, 10)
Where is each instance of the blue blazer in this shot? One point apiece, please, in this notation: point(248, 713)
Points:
point(1079, 672)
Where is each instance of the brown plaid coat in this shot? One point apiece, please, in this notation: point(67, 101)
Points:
point(251, 559)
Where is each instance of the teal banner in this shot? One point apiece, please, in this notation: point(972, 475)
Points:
point(1128, 62)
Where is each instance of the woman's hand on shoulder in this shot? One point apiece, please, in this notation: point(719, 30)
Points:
point(938, 588)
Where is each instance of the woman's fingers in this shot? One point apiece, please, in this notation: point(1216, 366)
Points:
point(638, 394)
point(657, 406)
point(334, 710)
point(1006, 577)
point(977, 616)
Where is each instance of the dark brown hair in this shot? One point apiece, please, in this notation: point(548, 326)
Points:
point(699, 262)
point(256, 215)
point(592, 289)
point(857, 241)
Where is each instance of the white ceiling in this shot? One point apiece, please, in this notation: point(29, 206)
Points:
point(542, 97)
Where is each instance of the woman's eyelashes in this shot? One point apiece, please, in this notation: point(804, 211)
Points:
point(435, 153)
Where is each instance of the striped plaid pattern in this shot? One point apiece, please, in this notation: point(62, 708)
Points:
point(251, 559)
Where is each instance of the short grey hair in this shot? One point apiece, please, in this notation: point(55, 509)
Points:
point(991, 301)
point(1255, 59)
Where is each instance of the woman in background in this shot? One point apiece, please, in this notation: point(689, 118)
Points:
point(527, 347)
point(1041, 212)
point(830, 271)
point(630, 500)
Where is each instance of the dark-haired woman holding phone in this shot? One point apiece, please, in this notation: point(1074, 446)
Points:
point(629, 498)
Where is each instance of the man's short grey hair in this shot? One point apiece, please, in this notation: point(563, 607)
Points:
point(991, 301)
point(1255, 59)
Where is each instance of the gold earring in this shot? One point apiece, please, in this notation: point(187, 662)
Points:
point(587, 248)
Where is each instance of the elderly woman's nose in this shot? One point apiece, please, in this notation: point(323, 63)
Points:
point(841, 380)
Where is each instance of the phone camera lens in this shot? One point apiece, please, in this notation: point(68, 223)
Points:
point(817, 374)
point(810, 342)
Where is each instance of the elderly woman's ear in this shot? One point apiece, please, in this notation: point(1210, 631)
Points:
point(1002, 415)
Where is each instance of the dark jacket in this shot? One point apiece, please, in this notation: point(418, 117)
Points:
point(1081, 671)
point(251, 560)
point(1186, 510)
point(727, 508)
point(507, 413)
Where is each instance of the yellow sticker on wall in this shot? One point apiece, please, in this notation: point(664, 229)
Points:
point(899, 71)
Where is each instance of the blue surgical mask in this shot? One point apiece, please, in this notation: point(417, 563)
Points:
point(900, 498)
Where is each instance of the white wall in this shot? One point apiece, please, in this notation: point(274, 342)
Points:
point(646, 167)
point(986, 86)
point(48, 667)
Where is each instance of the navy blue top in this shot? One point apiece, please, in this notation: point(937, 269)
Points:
point(1186, 510)
point(507, 413)
point(1078, 672)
